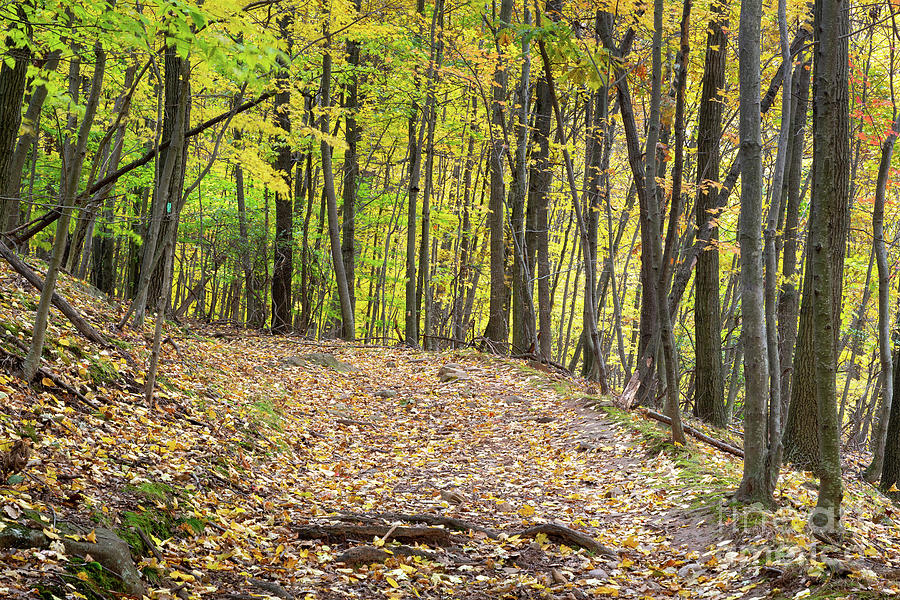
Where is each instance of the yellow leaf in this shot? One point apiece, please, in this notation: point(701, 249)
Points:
point(527, 511)
point(391, 581)
point(91, 537)
point(47, 382)
point(893, 488)
point(63, 342)
point(630, 542)
point(605, 590)
point(83, 576)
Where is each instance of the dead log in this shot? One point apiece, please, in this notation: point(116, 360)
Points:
point(83, 327)
point(338, 533)
point(429, 519)
point(723, 446)
point(565, 535)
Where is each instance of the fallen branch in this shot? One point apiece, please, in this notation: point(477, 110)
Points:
point(35, 226)
point(433, 520)
point(338, 533)
point(724, 447)
point(83, 327)
point(562, 534)
point(14, 363)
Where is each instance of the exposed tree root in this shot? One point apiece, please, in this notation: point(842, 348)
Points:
point(364, 555)
point(562, 534)
point(109, 550)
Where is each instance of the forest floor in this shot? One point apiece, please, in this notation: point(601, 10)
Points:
point(269, 470)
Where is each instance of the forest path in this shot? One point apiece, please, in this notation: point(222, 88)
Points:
point(263, 471)
point(504, 447)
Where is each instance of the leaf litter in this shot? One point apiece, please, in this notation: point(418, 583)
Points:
point(264, 477)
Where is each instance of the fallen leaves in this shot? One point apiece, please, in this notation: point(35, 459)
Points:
point(250, 460)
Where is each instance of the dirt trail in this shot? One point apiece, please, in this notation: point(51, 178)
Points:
point(514, 451)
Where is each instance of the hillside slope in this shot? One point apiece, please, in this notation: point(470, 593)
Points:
point(280, 467)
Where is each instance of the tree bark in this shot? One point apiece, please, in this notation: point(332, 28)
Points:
point(347, 315)
point(12, 89)
point(283, 260)
point(497, 332)
point(829, 223)
point(67, 193)
point(351, 169)
point(873, 472)
point(709, 404)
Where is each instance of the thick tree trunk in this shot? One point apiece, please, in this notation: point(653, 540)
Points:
point(351, 170)
point(829, 223)
point(540, 176)
point(11, 188)
point(283, 262)
point(12, 89)
point(497, 332)
point(754, 485)
point(814, 372)
point(709, 404)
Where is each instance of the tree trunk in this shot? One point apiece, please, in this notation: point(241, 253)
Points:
point(497, 332)
point(788, 300)
point(873, 472)
point(67, 193)
point(597, 109)
point(12, 89)
point(539, 180)
point(754, 485)
point(171, 171)
point(828, 227)
point(283, 261)
point(351, 169)
point(423, 283)
point(524, 336)
point(347, 315)
point(709, 393)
